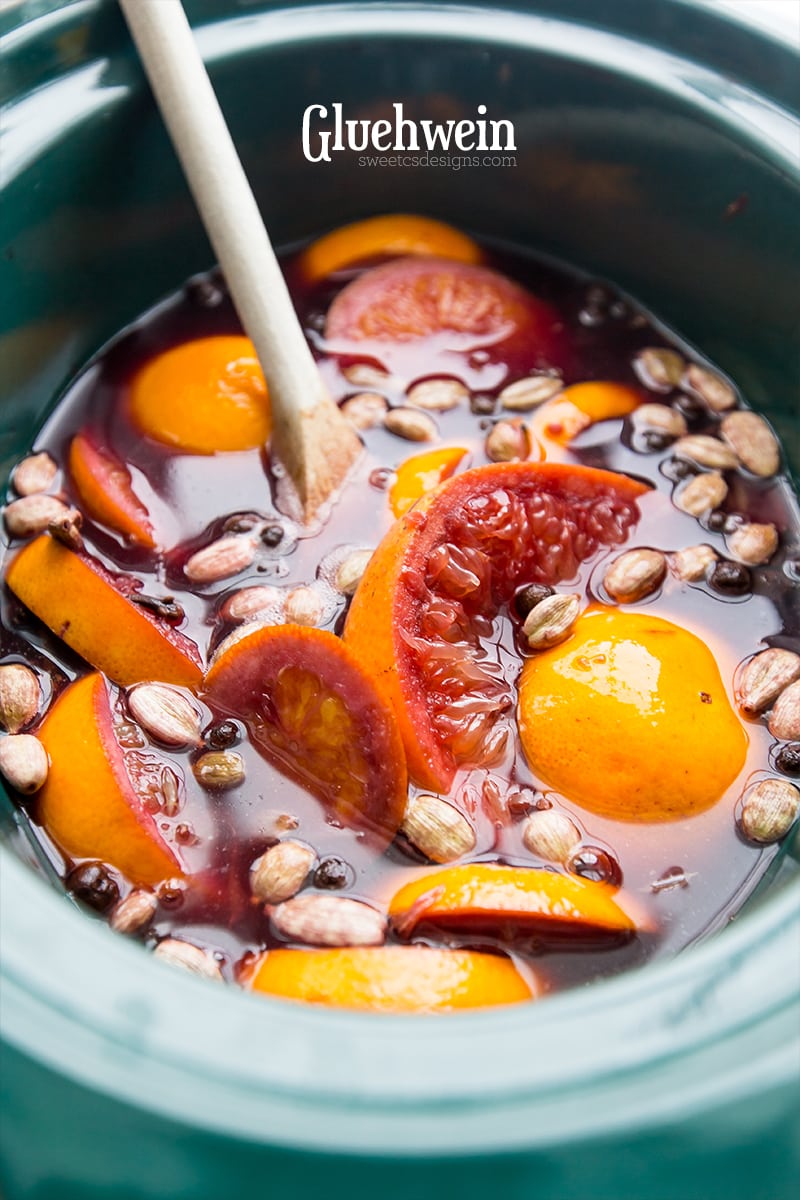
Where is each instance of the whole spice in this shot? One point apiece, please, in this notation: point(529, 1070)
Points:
point(280, 872)
point(305, 605)
point(93, 884)
point(366, 375)
point(706, 451)
point(221, 559)
point(659, 369)
point(551, 621)
point(702, 494)
point(713, 389)
point(365, 410)
point(191, 958)
point(437, 829)
point(660, 418)
point(36, 473)
point(525, 394)
point(764, 677)
point(753, 543)
point(259, 601)
point(23, 762)
point(31, 515)
point(730, 578)
point(769, 810)
point(135, 912)
point(321, 920)
point(20, 696)
point(508, 441)
point(529, 596)
point(784, 720)
point(219, 770)
point(165, 713)
point(437, 395)
point(550, 835)
point(753, 441)
point(66, 528)
point(349, 572)
point(411, 424)
point(692, 563)
point(635, 574)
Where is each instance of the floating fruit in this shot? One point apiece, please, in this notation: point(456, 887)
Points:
point(79, 600)
point(442, 573)
point(88, 804)
point(103, 486)
point(400, 979)
point(316, 713)
point(506, 902)
point(391, 235)
point(620, 719)
point(203, 396)
point(420, 474)
point(469, 307)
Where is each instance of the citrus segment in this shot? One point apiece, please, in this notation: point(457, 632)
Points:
point(440, 576)
point(630, 719)
point(601, 401)
point(420, 474)
point(80, 601)
point(103, 486)
point(203, 396)
point(88, 804)
point(413, 298)
point(485, 898)
point(390, 979)
point(314, 711)
point(391, 235)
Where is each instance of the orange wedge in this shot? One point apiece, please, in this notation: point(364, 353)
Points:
point(316, 713)
point(88, 804)
point(78, 599)
point(203, 396)
point(102, 483)
point(390, 979)
point(484, 898)
point(581, 405)
point(392, 235)
point(420, 474)
point(457, 556)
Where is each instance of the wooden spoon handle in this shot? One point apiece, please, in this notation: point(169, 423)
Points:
point(300, 405)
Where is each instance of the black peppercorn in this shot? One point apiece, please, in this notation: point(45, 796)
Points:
point(333, 873)
point(787, 760)
point(93, 884)
point(272, 535)
point(222, 736)
point(529, 596)
point(730, 578)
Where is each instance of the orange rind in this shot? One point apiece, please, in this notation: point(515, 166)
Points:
point(104, 490)
point(389, 236)
point(420, 474)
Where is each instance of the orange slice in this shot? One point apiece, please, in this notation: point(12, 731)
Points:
point(390, 979)
point(420, 474)
point(315, 712)
point(483, 898)
point(103, 486)
point(88, 804)
point(581, 405)
point(203, 396)
point(630, 719)
point(392, 235)
point(445, 568)
point(80, 601)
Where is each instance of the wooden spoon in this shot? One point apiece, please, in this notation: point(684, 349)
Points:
point(311, 440)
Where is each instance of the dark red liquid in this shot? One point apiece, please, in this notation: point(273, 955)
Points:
point(691, 875)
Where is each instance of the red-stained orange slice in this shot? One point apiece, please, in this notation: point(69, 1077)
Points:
point(469, 307)
point(203, 396)
point(392, 235)
point(621, 717)
point(315, 712)
point(83, 605)
point(581, 405)
point(390, 979)
point(506, 902)
point(103, 486)
point(420, 474)
point(451, 563)
point(88, 804)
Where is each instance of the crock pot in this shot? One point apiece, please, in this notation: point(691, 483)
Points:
point(658, 146)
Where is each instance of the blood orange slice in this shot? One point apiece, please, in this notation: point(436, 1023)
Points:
point(470, 306)
point(409, 979)
point(506, 902)
point(442, 573)
point(104, 488)
point(88, 804)
point(315, 712)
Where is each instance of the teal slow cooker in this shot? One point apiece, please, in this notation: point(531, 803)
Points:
point(659, 146)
